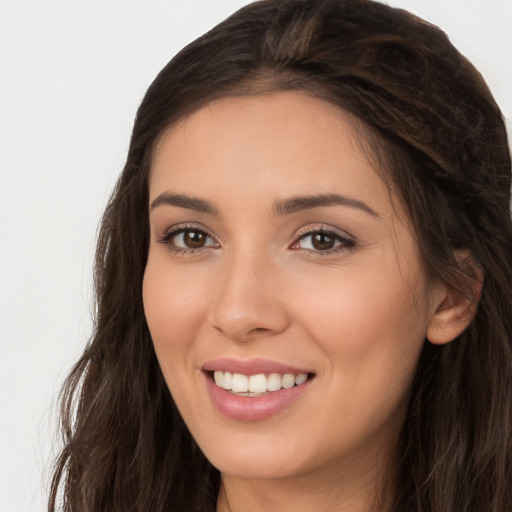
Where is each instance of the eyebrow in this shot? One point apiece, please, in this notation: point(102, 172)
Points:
point(184, 201)
point(281, 208)
point(295, 204)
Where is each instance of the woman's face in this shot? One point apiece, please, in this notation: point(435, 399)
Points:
point(276, 250)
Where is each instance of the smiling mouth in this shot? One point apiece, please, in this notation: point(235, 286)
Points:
point(259, 384)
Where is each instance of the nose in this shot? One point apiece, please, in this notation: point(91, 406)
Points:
point(249, 303)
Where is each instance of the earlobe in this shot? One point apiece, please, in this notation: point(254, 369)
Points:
point(455, 307)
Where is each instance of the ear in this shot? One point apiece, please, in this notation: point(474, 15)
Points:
point(454, 307)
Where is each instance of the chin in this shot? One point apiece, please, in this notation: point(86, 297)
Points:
point(252, 458)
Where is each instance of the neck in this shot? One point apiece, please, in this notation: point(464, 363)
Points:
point(359, 488)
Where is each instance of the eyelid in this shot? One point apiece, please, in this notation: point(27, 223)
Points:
point(324, 228)
point(176, 229)
point(347, 240)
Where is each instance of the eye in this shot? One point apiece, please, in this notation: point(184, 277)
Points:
point(323, 241)
point(191, 239)
point(188, 240)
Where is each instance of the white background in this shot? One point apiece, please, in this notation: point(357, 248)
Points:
point(72, 73)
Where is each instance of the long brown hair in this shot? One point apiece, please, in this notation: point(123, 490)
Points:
point(434, 131)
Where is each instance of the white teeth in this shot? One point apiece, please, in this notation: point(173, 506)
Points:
point(255, 385)
point(218, 377)
point(288, 381)
point(301, 378)
point(274, 382)
point(227, 381)
point(240, 383)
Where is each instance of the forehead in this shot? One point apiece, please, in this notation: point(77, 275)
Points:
point(274, 145)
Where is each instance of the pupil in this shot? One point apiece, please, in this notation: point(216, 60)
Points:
point(194, 239)
point(322, 241)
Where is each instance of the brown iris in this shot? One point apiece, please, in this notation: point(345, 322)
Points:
point(323, 241)
point(194, 239)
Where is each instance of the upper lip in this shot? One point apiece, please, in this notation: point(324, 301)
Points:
point(251, 366)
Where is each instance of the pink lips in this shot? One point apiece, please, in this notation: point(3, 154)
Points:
point(244, 408)
point(251, 367)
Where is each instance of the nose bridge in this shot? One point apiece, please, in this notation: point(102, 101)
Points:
point(248, 300)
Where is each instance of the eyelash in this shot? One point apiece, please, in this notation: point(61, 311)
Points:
point(166, 240)
point(344, 242)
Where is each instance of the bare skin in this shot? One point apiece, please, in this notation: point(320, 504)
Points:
point(273, 237)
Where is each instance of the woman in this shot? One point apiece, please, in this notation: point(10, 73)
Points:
point(304, 279)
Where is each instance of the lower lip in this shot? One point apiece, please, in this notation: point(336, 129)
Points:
point(245, 408)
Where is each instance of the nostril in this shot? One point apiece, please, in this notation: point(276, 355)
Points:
point(258, 331)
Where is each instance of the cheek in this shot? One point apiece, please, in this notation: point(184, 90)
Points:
point(360, 303)
point(174, 308)
point(372, 335)
point(367, 323)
